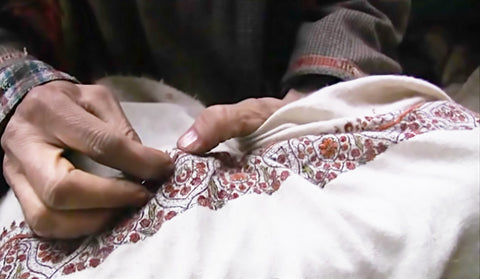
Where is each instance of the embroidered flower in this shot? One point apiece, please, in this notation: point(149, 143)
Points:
point(170, 215)
point(222, 177)
point(69, 268)
point(80, 266)
point(328, 148)
point(94, 262)
point(238, 176)
point(355, 153)
point(134, 237)
point(284, 175)
point(145, 223)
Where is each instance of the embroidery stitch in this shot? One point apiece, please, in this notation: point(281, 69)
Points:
point(214, 180)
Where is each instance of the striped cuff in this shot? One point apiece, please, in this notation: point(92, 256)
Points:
point(323, 65)
point(17, 79)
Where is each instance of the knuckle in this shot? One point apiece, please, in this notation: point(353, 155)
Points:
point(254, 104)
point(7, 136)
point(55, 193)
point(41, 222)
point(100, 143)
point(42, 95)
point(271, 104)
point(5, 140)
point(33, 102)
point(7, 172)
point(130, 132)
point(92, 95)
point(215, 113)
point(250, 101)
point(250, 114)
point(101, 92)
point(258, 109)
point(44, 100)
point(217, 109)
point(212, 117)
point(13, 135)
point(38, 93)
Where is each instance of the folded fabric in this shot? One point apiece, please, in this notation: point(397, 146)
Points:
point(372, 178)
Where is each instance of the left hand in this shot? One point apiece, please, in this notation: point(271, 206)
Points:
point(59, 200)
point(219, 123)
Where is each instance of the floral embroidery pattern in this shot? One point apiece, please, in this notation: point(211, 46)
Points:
point(213, 180)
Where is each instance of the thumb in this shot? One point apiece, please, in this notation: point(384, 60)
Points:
point(222, 122)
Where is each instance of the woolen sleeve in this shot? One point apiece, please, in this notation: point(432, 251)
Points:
point(20, 72)
point(349, 39)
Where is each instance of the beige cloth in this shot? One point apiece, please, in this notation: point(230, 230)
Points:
point(409, 212)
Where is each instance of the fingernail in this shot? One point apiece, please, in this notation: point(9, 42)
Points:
point(188, 139)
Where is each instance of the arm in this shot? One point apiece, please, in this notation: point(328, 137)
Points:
point(19, 72)
point(340, 41)
point(346, 40)
point(44, 112)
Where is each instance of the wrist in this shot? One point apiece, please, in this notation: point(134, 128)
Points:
point(18, 78)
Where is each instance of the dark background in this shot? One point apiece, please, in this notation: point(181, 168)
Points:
point(442, 42)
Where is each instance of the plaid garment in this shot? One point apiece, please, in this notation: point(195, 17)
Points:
point(221, 51)
point(16, 79)
point(19, 71)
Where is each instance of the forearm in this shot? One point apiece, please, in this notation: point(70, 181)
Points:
point(348, 39)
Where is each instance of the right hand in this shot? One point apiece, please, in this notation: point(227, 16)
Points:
point(58, 200)
point(219, 123)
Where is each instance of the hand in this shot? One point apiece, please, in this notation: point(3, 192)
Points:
point(219, 123)
point(57, 199)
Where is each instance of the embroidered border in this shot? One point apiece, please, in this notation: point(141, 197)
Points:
point(212, 181)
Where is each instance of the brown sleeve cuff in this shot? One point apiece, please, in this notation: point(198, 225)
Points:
point(323, 65)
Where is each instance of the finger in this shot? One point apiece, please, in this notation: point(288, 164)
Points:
point(105, 144)
point(60, 186)
point(51, 223)
point(82, 190)
point(101, 102)
point(221, 122)
point(95, 99)
point(293, 95)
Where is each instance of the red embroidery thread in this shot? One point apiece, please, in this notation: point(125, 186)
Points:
point(214, 180)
